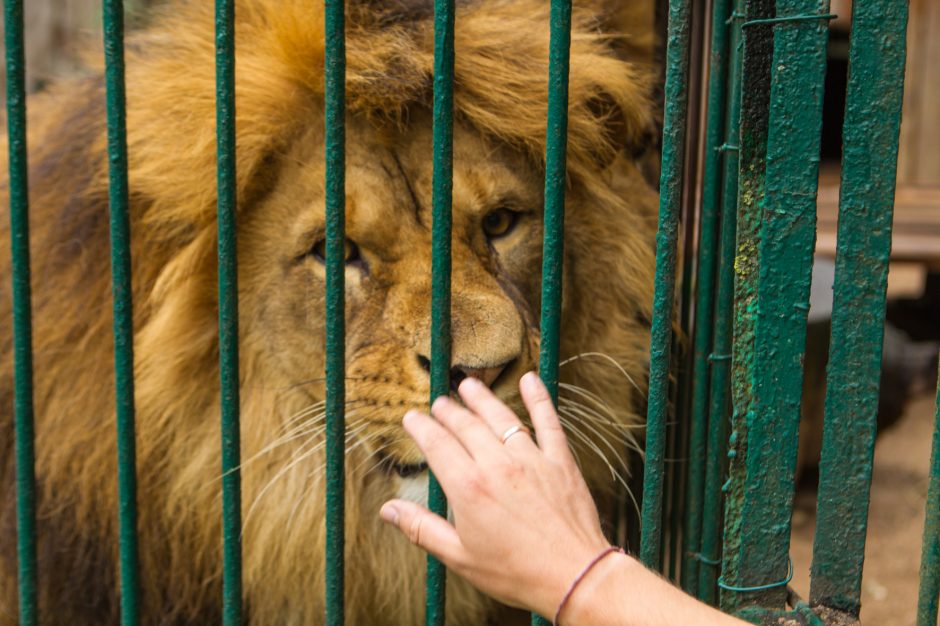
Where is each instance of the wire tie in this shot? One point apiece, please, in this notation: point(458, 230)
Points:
point(782, 583)
point(735, 15)
point(727, 147)
point(698, 556)
point(718, 357)
point(791, 18)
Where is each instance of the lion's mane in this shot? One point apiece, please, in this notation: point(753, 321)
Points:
point(501, 90)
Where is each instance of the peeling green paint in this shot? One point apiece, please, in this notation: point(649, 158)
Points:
point(755, 93)
point(674, 129)
point(870, 151)
point(777, 308)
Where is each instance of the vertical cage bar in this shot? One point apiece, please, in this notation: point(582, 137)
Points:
point(555, 184)
point(22, 313)
point(442, 199)
point(930, 556)
point(677, 72)
point(113, 16)
point(757, 49)
point(705, 283)
point(553, 242)
point(719, 359)
point(228, 312)
point(787, 239)
point(869, 165)
point(335, 140)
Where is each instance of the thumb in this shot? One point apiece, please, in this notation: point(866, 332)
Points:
point(425, 529)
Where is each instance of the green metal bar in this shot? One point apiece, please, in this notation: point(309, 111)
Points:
point(930, 557)
point(555, 177)
point(335, 140)
point(22, 315)
point(228, 312)
point(787, 239)
point(757, 50)
point(705, 306)
point(442, 197)
point(869, 165)
point(677, 72)
point(113, 16)
point(553, 242)
point(720, 361)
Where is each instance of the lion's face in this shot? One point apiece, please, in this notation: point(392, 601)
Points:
point(496, 251)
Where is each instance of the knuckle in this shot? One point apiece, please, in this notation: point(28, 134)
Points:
point(473, 485)
point(512, 468)
point(414, 530)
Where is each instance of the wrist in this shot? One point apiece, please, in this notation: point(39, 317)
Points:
point(593, 590)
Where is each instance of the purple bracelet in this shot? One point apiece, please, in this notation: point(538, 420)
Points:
point(577, 581)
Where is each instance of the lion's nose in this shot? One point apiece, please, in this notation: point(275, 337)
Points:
point(487, 375)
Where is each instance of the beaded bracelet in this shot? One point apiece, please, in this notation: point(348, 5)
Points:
point(580, 577)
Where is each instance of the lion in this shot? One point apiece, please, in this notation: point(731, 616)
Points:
point(499, 142)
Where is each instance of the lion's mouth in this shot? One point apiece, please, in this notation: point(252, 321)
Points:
point(404, 470)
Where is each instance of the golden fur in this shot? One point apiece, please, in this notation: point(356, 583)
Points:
point(501, 90)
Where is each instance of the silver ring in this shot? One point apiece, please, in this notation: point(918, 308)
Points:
point(512, 430)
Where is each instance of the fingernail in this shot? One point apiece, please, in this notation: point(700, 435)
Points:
point(389, 513)
point(531, 381)
point(408, 414)
point(471, 381)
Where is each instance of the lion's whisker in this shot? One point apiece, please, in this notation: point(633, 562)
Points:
point(614, 473)
point(595, 422)
point(572, 412)
point(609, 359)
point(299, 455)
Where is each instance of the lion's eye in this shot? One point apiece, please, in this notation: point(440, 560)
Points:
point(499, 223)
point(351, 253)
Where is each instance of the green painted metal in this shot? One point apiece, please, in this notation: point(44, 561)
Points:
point(757, 48)
point(442, 197)
point(869, 163)
point(705, 291)
point(335, 261)
point(555, 185)
point(553, 243)
point(719, 359)
point(22, 314)
point(930, 557)
point(113, 16)
point(677, 72)
point(787, 239)
point(228, 312)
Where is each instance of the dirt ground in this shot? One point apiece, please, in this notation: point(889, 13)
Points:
point(896, 522)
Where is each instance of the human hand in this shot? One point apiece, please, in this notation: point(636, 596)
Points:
point(525, 524)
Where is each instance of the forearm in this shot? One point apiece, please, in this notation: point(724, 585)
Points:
point(619, 591)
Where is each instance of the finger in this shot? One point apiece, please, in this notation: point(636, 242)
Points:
point(548, 430)
point(466, 426)
point(424, 529)
point(447, 458)
point(493, 411)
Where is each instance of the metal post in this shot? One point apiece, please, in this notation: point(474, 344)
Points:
point(113, 15)
point(22, 314)
point(228, 312)
point(335, 184)
point(866, 207)
point(677, 72)
point(442, 197)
